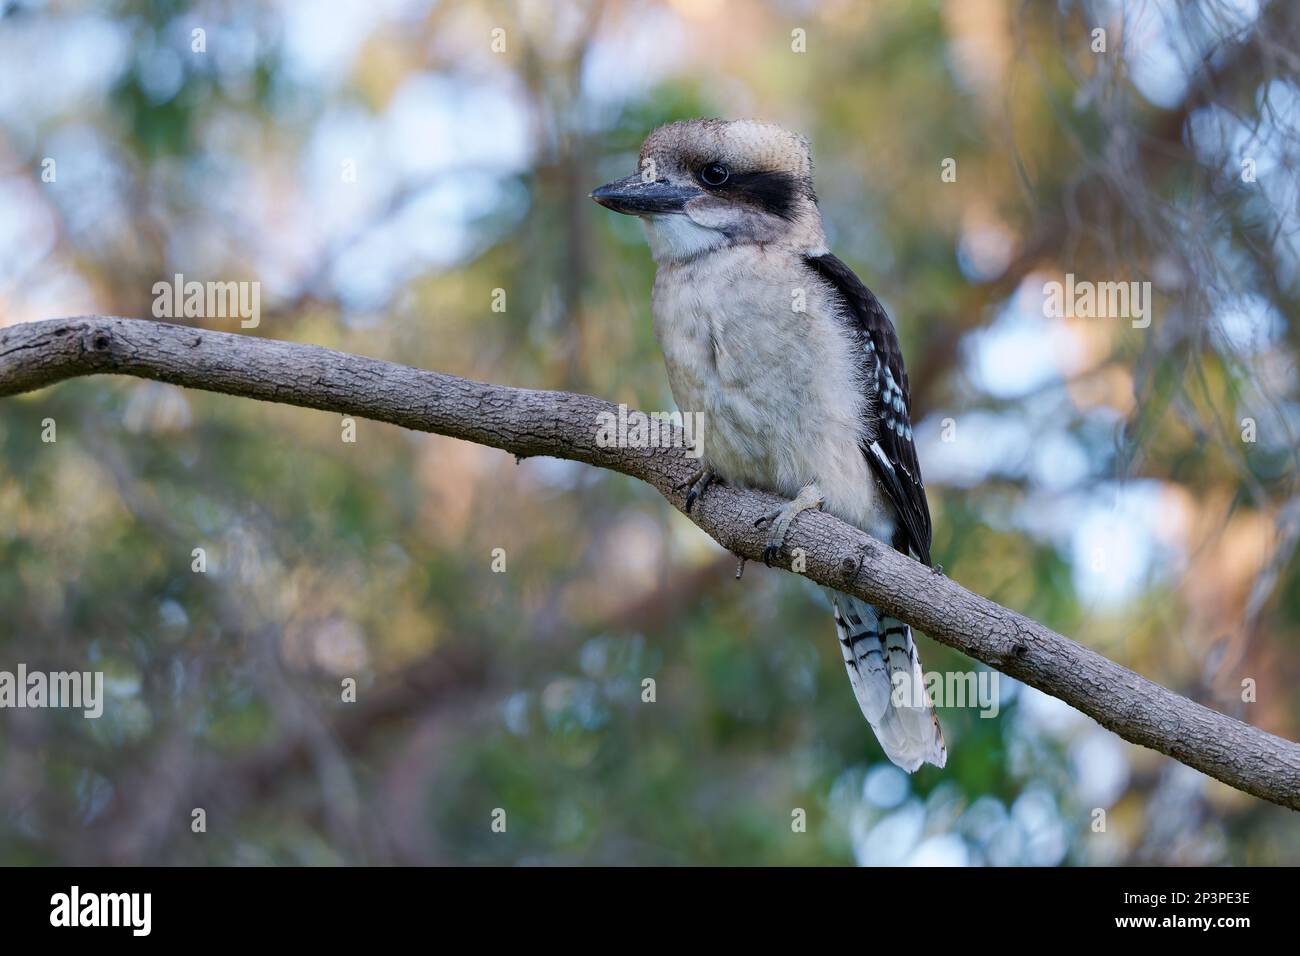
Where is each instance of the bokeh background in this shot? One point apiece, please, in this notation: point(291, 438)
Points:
point(1133, 488)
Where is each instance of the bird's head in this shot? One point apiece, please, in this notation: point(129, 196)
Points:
point(706, 184)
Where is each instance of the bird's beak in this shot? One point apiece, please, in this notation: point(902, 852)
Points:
point(635, 196)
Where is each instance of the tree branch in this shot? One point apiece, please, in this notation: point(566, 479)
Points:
point(564, 425)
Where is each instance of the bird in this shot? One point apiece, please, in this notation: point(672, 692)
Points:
point(796, 370)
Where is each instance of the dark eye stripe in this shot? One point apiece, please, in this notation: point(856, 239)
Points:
point(772, 191)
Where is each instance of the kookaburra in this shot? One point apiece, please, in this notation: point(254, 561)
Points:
point(796, 370)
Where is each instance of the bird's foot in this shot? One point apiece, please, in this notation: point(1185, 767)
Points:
point(698, 483)
point(809, 497)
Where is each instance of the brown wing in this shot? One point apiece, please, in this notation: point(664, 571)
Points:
point(887, 442)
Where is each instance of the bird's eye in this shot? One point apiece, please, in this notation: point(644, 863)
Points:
point(714, 174)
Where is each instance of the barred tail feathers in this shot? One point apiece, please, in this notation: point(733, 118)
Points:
point(887, 680)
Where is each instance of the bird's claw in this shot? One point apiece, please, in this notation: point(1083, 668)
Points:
point(808, 498)
point(698, 483)
point(773, 549)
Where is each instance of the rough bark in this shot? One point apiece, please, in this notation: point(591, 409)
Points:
point(527, 422)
